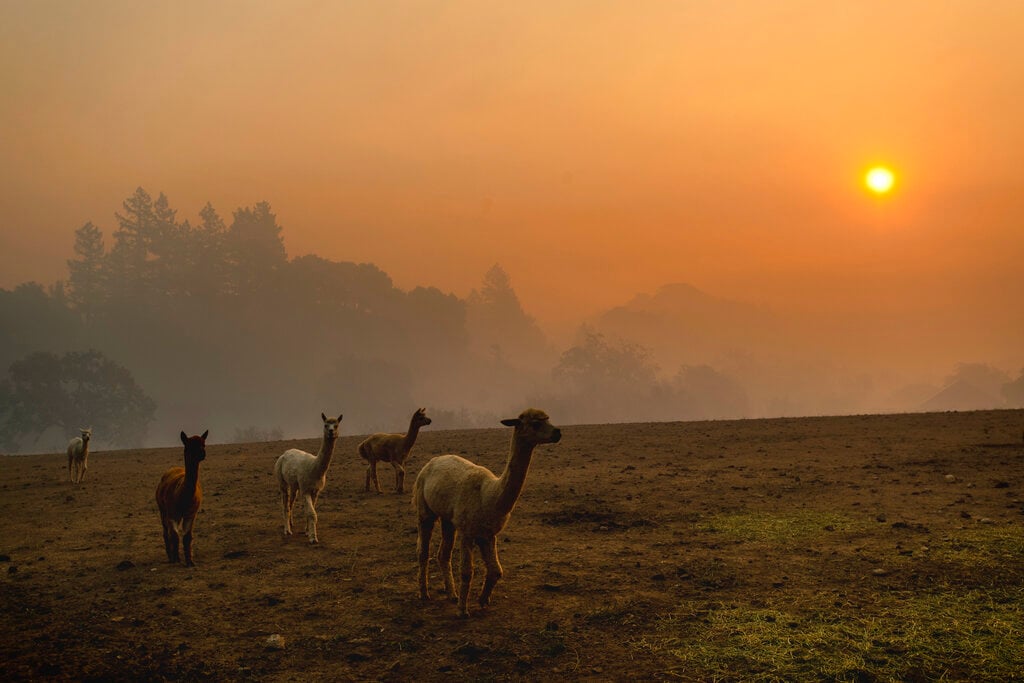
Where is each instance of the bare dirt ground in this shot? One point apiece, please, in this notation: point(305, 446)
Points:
point(819, 548)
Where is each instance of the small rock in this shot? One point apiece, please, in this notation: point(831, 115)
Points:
point(124, 564)
point(880, 572)
point(274, 642)
point(950, 478)
point(986, 520)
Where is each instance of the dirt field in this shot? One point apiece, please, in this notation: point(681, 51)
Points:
point(850, 548)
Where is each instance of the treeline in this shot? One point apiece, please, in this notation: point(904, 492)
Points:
point(220, 329)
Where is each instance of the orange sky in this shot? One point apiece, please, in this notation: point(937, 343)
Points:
point(594, 149)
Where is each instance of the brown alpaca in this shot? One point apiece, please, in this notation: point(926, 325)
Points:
point(392, 448)
point(470, 500)
point(179, 496)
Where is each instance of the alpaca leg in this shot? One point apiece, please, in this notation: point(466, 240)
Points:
point(81, 473)
point(286, 509)
point(71, 472)
point(170, 541)
point(186, 542)
point(466, 575)
point(399, 478)
point(369, 475)
point(426, 530)
point(310, 518)
point(489, 551)
point(373, 476)
point(444, 557)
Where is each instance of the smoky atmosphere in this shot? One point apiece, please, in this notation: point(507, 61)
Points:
point(236, 217)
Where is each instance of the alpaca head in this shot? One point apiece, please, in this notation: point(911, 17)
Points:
point(86, 433)
point(331, 426)
point(534, 427)
point(420, 419)
point(195, 447)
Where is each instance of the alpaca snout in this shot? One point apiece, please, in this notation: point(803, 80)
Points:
point(556, 436)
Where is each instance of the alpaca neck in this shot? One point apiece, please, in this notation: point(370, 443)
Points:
point(323, 457)
point(410, 436)
point(510, 484)
point(189, 485)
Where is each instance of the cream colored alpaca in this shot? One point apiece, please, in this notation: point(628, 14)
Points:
point(469, 499)
point(392, 448)
point(78, 456)
point(302, 473)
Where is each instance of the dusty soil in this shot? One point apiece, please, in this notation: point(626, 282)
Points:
point(618, 529)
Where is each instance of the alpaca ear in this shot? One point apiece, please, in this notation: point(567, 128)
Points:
point(339, 417)
point(323, 417)
point(511, 422)
point(184, 438)
point(203, 437)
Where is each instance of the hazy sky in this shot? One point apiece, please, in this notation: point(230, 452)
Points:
point(594, 149)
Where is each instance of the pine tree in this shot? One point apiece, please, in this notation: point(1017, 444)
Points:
point(127, 273)
point(256, 247)
point(86, 278)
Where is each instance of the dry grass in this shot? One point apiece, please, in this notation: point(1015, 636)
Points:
point(947, 631)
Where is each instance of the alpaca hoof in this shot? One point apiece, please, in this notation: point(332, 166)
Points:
point(313, 541)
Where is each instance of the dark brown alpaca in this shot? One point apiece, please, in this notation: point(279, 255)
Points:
point(179, 496)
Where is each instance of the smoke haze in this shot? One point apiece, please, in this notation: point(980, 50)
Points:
point(682, 177)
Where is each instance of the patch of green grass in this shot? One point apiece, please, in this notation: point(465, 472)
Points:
point(954, 635)
point(984, 544)
point(778, 529)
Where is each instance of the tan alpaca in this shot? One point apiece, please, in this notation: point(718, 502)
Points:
point(469, 499)
point(392, 448)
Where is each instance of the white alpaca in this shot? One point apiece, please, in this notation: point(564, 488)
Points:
point(392, 448)
point(469, 499)
point(78, 456)
point(302, 473)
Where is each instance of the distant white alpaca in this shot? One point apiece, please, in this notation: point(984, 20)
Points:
point(301, 473)
point(469, 499)
point(78, 456)
point(392, 448)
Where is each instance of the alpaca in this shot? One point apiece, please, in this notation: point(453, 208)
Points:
point(299, 472)
point(78, 456)
point(392, 448)
point(179, 496)
point(469, 499)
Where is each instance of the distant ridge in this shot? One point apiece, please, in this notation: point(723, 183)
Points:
point(683, 324)
point(960, 395)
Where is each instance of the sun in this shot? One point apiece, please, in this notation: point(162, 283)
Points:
point(880, 180)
